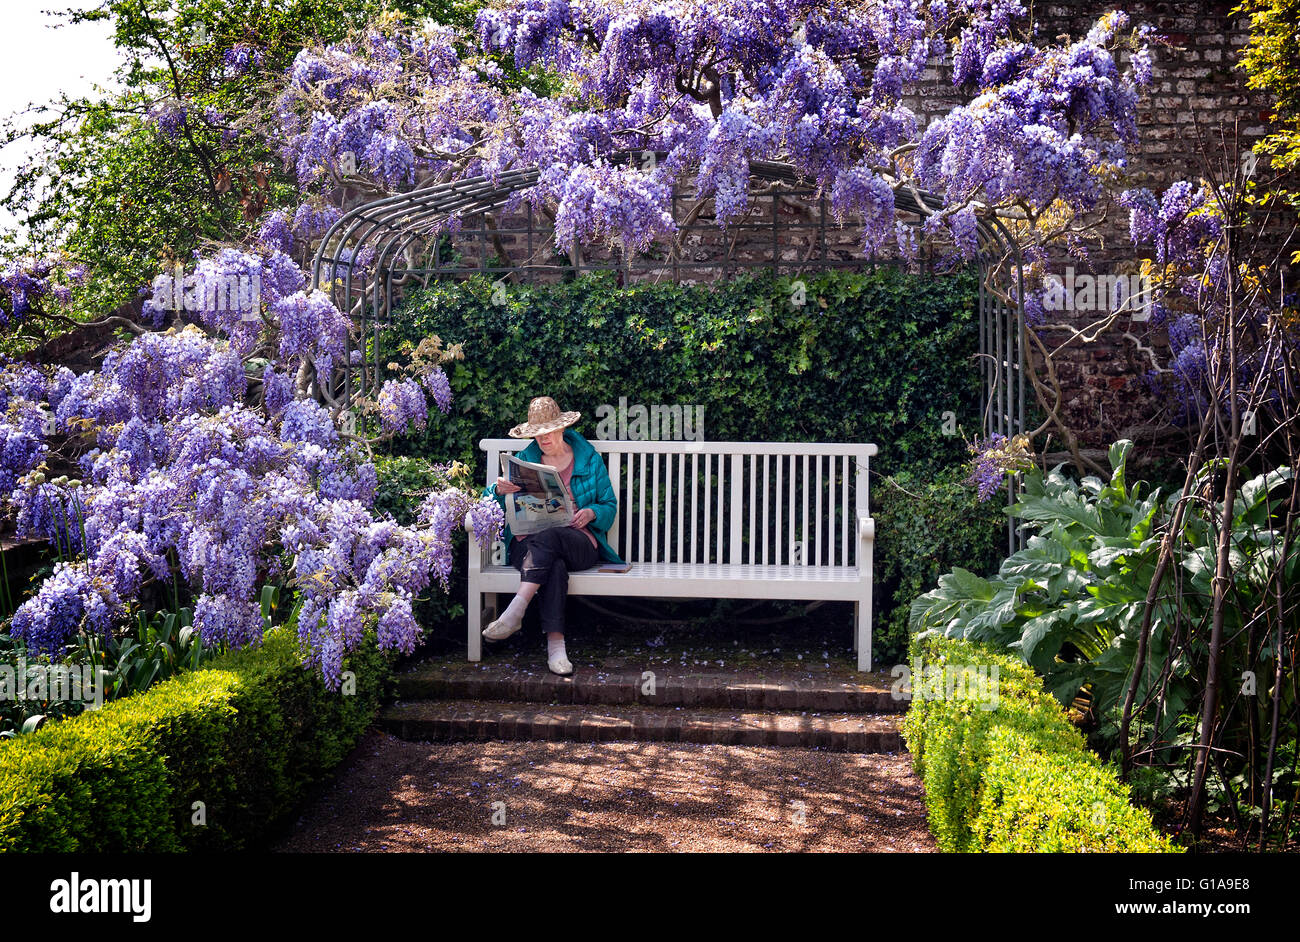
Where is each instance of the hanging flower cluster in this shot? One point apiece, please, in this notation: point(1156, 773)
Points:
point(1184, 227)
point(995, 457)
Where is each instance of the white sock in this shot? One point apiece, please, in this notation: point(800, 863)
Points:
point(555, 648)
point(514, 612)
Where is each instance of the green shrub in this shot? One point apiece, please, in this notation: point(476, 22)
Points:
point(400, 476)
point(1017, 777)
point(926, 526)
point(245, 736)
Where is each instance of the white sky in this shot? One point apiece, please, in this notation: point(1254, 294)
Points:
point(40, 61)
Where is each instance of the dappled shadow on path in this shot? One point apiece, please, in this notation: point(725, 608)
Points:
point(614, 796)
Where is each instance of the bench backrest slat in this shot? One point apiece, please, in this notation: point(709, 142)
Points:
point(769, 503)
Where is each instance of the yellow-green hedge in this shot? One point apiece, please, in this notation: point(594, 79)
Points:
point(1018, 777)
point(245, 736)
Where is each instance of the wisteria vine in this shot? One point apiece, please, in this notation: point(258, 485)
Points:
point(199, 458)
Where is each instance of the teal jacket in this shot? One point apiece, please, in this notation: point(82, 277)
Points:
point(589, 484)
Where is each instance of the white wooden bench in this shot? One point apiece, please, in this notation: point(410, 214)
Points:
point(739, 520)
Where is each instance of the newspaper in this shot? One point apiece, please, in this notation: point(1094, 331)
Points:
point(542, 500)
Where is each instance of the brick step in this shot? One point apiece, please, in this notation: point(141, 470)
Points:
point(476, 720)
point(673, 686)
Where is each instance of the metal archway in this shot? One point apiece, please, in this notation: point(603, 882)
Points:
point(375, 248)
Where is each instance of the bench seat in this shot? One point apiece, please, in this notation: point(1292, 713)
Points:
point(701, 580)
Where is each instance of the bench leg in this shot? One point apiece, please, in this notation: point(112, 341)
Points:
point(862, 632)
point(473, 615)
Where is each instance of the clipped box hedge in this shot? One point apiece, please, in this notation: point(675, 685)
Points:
point(246, 736)
point(1019, 776)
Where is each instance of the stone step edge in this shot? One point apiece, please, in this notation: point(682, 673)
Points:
point(617, 689)
point(453, 721)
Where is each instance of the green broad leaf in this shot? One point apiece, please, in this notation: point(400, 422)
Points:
point(1040, 559)
point(1262, 563)
point(1064, 684)
point(1105, 556)
point(1117, 592)
point(1200, 561)
point(964, 584)
point(1000, 612)
point(1121, 615)
point(1064, 509)
point(1143, 519)
point(1041, 638)
point(1118, 456)
point(1092, 485)
point(1033, 572)
point(1256, 489)
point(33, 723)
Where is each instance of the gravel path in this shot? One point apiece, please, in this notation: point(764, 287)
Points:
point(394, 795)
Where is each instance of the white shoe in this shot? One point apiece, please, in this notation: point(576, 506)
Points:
point(560, 665)
point(501, 629)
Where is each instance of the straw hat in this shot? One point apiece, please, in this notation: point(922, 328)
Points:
point(543, 416)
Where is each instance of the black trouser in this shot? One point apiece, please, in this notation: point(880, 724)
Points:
point(547, 558)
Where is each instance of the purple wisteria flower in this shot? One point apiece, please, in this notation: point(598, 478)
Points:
point(402, 403)
point(241, 58)
point(994, 458)
point(275, 232)
point(439, 387)
point(188, 481)
point(169, 117)
point(311, 329)
point(69, 601)
point(310, 221)
point(25, 285)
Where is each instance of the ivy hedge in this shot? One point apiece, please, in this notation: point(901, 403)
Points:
point(1017, 777)
point(881, 356)
point(245, 736)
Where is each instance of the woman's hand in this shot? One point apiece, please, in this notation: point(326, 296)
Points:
point(506, 486)
point(583, 517)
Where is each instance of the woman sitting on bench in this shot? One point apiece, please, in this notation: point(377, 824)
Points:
point(545, 559)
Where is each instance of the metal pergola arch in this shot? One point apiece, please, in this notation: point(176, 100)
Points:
point(377, 242)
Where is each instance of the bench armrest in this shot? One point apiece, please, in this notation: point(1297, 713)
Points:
point(867, 529)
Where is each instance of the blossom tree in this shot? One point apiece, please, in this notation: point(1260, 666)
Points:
point(191, 472)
